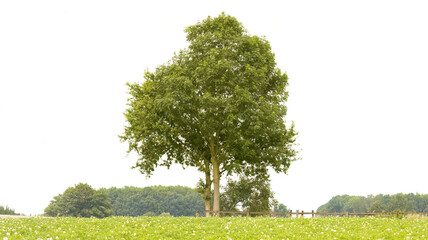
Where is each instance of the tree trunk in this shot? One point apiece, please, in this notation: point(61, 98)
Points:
point(216, 181)
point(207, 194)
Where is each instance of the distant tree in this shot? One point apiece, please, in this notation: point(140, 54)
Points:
point(377, 207)
point(322, 208)
point(419, 201)
point(175, 200)
point(383, 198)
point(336, 204)
point(400, 202)
point(281, 208)
point(248, 192)
point(379, 203)
point(355, 204)
point(7, 211)
point(218, 105)
point(80, 201)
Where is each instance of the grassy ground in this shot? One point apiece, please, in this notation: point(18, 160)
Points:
point(213, 228)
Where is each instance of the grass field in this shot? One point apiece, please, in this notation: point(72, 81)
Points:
point(212, 228)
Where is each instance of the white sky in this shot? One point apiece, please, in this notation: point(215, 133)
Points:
point(358, 92)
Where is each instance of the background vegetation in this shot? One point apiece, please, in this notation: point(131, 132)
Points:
point(380, 203)
point(252, 193)
point(7, 211)
point(241, 193)
point(80, 201)
point(84, 201)
point(153, 201)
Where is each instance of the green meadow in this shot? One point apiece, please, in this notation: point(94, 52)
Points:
point(213, 228)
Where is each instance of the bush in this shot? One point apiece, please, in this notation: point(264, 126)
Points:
point(149, 214)
point(165, 214)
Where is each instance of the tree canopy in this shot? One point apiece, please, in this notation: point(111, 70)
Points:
point(217, 105)
point(156, 200)
point(380, 203)
point(80, 201)
point(281, 208)
point(253, 193)
point(7, 211)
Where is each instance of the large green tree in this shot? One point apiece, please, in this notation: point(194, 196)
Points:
point(80, 201)
point(217, 105)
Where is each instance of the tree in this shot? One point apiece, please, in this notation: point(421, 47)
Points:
point(356, 204)
point(7, 211)
point(419, 201)
point(377, 207)
point(80, 201)
point(336, 204)
point(218, 106)
point(253, 193)
point(400, 202)
point(378, 203)
point(281, 208)
point(175, 200)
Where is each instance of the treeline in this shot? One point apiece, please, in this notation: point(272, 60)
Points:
point(380, 203)
point(7, 211)
point(81, 200)
point(84, 201)
point(155, 200)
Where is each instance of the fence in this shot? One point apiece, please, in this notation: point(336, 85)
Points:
point(313, 214)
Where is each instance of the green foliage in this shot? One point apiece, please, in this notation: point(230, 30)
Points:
point(400, 202)
point(134, 201)
point(249, 192)
point(218, 106)
point(377, 207)
point(166, 214)
point(393, 214)
point(336, 204)
point(7, 211)
point(419, 201)
point(356, 204)
point(281, 208)
point(379, 203)
point(80, 201)
point(200, 187)
point(149, 214)
point(212, 228)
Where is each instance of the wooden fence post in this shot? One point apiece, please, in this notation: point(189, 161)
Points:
point(302, 213)
point(248, 212)
point(313, 214)
point(289, 215)
point(297, 213)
